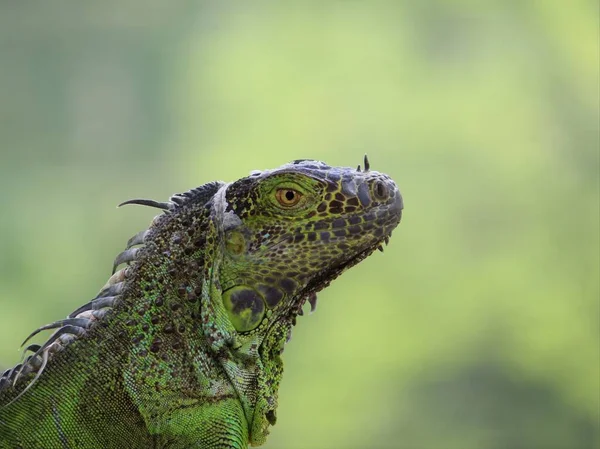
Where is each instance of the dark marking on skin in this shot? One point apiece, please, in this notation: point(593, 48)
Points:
point(320, 225)
point(354, 220)
point(338, 223)
point(272, 295)
point(246, 299)
point(245, 307)
point(155, 346)
point(288, 285)
point(135, 340)
point(368, 226)
point(354, 229)
point(61, 433)
point(369, 216)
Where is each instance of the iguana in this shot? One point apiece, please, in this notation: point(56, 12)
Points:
point(182, 346)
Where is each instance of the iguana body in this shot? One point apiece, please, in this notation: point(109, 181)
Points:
point(181, 348)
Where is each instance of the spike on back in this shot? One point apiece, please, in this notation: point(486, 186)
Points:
point(71, 328)
point(200, 195)
point(84, 317)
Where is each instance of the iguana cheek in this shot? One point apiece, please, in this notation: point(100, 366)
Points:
point(245, 307)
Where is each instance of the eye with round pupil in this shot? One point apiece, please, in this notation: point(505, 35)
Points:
point(288, 197)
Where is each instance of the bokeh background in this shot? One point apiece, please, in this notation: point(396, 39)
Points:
point(479, 325)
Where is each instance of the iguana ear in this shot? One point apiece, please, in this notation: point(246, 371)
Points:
point(216, 325)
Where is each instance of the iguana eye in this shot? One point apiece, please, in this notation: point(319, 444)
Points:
point(288, 197)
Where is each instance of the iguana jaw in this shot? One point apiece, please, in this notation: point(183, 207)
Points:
point(325, 278)
point(279, 331)
point(320, 283)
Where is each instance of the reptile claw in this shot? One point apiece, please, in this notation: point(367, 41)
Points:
point(312, 299)
point(380, 248)
point(367, 165)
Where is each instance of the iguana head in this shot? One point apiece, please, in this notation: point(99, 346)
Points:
point(288, 232)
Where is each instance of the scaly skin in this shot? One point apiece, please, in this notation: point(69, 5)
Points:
point(181, 348)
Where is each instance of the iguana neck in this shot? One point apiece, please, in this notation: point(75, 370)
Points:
point(179, 330)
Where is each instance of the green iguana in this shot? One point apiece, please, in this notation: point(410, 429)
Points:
point(182, 346)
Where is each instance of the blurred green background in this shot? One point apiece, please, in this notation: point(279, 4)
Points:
point(478, 328)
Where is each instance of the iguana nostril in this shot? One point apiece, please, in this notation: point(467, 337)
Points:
point(381, 191)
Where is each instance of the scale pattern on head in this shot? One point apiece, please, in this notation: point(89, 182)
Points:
point(291, 230)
